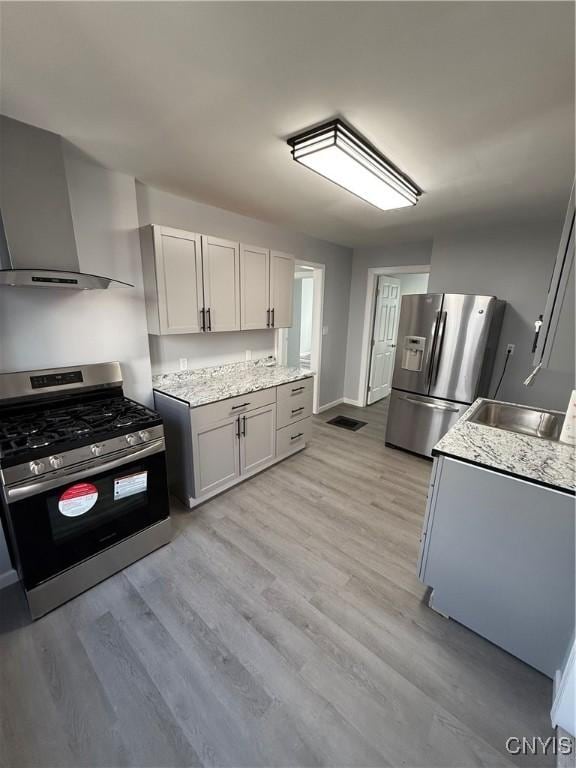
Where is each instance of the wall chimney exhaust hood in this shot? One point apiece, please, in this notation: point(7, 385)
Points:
point(37, 240)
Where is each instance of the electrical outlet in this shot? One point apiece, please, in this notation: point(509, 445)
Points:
point(510, 349)
point(183, 363)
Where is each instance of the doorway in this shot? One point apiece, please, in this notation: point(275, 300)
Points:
point(300, 346)
point(386, 287)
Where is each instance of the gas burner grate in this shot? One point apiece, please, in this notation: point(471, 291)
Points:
point(353, 425)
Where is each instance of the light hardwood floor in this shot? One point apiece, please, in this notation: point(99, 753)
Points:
point(284, 625)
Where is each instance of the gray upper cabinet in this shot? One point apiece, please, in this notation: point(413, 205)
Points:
point(281, 289)
point(172, 266)
point(254, 287)
point(221, 265)
point(199, 283)
point(558, 317)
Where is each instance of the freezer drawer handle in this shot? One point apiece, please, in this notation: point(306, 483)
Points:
point(430, 405)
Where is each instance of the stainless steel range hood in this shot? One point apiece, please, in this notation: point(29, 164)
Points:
point(37, 240)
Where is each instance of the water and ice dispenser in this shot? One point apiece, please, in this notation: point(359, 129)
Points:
point(413, 352)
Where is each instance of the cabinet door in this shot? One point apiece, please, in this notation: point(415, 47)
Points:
point(221, 265)
point(281, 288)
point(254, 287)
point(500, 559)
point(216, 456)
point(258, 441)
point(178, 280)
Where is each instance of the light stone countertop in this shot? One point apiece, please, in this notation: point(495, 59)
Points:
point(547, 462)
point(201, 386)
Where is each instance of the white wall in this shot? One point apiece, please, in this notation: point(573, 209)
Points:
point(306, 315)
point(514, 263)
point(50, 327)
point(413, 283)
point(204, 350)
point(158, 207)
point(391, 255)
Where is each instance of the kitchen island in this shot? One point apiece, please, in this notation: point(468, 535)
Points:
point(226, 423)
point(497, 547)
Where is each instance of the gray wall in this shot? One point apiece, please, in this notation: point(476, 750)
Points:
point(391, 255)
point(49, 327)
point(158, 207)
point(515, 263)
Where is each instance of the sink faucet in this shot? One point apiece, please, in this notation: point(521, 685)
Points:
point(529, 380)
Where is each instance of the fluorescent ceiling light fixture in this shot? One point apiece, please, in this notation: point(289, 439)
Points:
point(340, 154)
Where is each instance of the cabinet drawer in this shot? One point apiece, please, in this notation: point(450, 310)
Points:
point(293, 437)
point(298, 406)
point(294, 389)
point(223, 409)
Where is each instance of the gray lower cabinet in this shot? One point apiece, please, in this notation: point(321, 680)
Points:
point(212, 447)
point(216, 449)
point(257, 438)
point(498, 553)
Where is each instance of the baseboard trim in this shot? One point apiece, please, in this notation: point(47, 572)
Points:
point(333, 404)
point(349, 401)
point(10, 577)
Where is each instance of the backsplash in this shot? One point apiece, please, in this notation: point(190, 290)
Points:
point(203, 350)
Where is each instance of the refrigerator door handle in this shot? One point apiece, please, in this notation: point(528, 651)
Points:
point(432, 352)
point(438, 349)
point(430, 405)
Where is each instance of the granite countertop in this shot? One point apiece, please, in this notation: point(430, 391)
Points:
point(542, 461)
point(208, 385)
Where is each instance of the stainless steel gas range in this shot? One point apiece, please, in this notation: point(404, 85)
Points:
point(83, 479)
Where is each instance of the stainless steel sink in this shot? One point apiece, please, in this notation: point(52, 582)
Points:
point(517, 418)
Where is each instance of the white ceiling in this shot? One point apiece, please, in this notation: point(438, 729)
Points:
point(474, 100)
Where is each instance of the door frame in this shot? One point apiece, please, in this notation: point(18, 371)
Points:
point(281, 342)
point(368, 327)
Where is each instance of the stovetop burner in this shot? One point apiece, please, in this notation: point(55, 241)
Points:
point(34, 431)
point(38, 441)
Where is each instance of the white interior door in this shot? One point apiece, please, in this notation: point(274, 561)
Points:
point(384, 332)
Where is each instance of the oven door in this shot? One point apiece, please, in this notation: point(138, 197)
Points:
point(59, 521)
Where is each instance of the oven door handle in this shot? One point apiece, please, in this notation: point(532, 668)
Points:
point(25, 490)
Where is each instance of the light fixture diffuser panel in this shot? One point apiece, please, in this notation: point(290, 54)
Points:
point(339, 154)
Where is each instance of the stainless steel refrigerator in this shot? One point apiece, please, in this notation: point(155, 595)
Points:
point(444, 357)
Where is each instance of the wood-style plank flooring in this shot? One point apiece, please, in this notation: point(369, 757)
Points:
point(283, 626)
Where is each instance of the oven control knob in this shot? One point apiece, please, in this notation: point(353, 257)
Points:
point(37, 467)
point(131, 439)
point(96, 449)
point(56, 462)
point(144, 434)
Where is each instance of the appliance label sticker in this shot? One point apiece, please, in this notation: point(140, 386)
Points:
point(130, 484)
point(78, 499)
